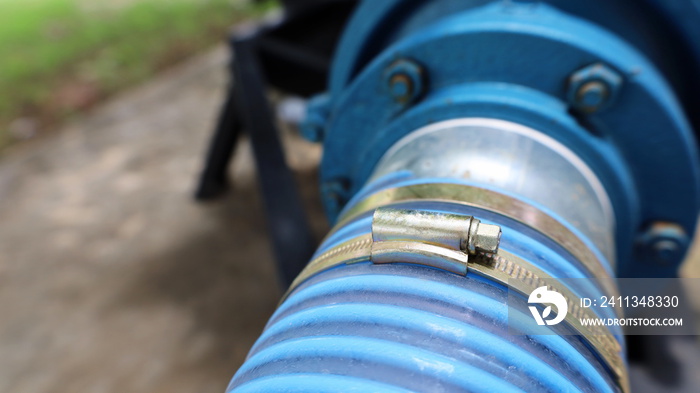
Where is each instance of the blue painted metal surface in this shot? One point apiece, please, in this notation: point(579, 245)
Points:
point(667, 32)
point(523, 50)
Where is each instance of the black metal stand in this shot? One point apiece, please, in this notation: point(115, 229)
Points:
point(292, 56)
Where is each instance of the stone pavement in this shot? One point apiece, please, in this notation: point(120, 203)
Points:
point(111, 278)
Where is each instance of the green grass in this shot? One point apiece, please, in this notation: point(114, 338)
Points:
point(59, 57)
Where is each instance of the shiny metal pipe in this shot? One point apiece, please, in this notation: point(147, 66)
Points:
point(512, 159)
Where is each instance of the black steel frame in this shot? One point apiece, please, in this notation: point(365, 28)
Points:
point(293, 56)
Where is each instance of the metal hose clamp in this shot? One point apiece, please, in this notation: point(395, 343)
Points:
point(438, 240)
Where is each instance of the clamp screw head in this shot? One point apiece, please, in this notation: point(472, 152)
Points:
point(487, 238)
point(481, 237)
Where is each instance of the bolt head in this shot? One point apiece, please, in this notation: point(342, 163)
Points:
point(666, 250)
point(312, 128)
point(664, 243)
point(400, 86)
point(593, 88)
point(487, 238)
point(592, 94)
point(404, 80)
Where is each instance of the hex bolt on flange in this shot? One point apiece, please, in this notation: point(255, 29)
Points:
point(335, 195)
point(664, 242)
point(401, 87)
point(404, 79)
point(593, 88)
point(313, 127)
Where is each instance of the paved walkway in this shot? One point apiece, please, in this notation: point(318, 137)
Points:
point(111, 278)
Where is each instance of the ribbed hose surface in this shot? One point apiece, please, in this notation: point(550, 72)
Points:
point(400, 328)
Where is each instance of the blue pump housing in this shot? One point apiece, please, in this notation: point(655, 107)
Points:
point(513, 61)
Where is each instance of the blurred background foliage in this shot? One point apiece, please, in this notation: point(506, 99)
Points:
point(60, 57)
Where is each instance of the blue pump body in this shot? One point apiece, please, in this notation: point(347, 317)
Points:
point(511, 61)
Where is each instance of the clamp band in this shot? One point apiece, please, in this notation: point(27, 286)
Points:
point(491, 201)
point(504, 268)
